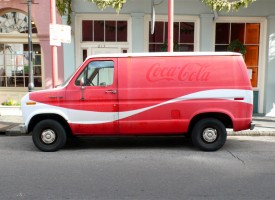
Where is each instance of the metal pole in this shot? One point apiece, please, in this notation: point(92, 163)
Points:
point(170, 25)
point(54, 48)
point(31, 84)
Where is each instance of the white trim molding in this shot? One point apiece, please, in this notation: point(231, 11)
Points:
point(88, 45)
point(262, 51)
point(177, 18)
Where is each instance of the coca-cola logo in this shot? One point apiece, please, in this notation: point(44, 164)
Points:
point(188, 73)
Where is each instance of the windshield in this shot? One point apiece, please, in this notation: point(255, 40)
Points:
point(68, 79)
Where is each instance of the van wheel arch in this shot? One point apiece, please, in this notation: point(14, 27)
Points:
point(36, 119)
point(224, 118)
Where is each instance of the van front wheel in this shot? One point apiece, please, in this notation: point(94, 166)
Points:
point(209, 134)
point(49, 135)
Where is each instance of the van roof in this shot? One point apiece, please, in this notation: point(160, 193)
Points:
point(164, 54)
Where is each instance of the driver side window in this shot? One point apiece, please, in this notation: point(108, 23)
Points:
point(97, 73)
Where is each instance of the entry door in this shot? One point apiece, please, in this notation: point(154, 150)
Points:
point(93, 97)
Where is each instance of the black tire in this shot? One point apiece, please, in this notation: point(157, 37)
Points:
point(49, 135)
point(209, 134)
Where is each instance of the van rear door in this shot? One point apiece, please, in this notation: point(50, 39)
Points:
point(92, 98)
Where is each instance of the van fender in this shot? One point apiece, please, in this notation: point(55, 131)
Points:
point(45, 111)
point(205, 113)
point(32, 108)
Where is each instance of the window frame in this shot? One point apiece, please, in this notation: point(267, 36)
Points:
point(85, 72)
point(177, 18)
point(83, 45)
point(21, 38)
point(262, 50)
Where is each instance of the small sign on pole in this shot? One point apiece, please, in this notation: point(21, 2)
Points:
point(54, 35)
point(59, 34)
point(65, 33)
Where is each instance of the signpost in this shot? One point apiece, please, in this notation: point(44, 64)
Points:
point(54, 47)
point(31, 80)
point(58, 34)
point(170, 25)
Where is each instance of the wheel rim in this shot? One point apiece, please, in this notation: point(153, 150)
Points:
point(210, 135)
point(48, 136)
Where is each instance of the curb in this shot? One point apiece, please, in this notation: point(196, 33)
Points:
point(15, 131)
point(265, 126)
point(251, 133)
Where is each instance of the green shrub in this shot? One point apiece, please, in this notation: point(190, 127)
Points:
point(10, 102)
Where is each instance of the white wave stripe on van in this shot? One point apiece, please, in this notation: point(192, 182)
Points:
point(91, 117)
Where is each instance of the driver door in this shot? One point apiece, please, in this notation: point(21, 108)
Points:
point(94, 98)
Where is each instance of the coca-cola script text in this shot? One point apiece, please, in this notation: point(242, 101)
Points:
point(189, 72)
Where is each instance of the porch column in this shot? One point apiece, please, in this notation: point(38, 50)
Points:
point(270, 65)
point(207, 31)
point(138, 32)
point(69, 51)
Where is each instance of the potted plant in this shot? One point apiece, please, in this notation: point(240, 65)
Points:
point(10, 107)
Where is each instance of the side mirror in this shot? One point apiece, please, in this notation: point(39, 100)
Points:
point(82, 82)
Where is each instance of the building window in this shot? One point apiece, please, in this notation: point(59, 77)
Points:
point(104, 30)
point(184, 33)
point(249, 35)
point(14, 69)
point(14, 65)
point(15, 22)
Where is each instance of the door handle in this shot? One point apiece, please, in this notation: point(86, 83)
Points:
point(111, 91)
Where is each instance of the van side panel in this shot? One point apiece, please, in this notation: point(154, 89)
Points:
point(162, 94)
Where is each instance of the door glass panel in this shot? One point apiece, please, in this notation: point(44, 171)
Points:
point(99, 31)
point(122, 30)
point(1, 49)
point(251, 56)
point(37, 71)
point(253, 33)
point(2, 81)
point(237, 32)
point(187, 32)
point(186, 47)
point(158, 36)
point(84, 54)
point(110, 31)
point(222, 33)
point(20, 82)
point(38, 81)
point(183, 36)
point(176, 32)
point(87, 30)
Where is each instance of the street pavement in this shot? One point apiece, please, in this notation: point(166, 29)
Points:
point(264, 126)
point(159, 168)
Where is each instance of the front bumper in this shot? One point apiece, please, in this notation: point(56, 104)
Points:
point(23, 128)
point(252, 126)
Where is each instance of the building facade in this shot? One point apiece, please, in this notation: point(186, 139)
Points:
point(14, 66)
point(196, 28)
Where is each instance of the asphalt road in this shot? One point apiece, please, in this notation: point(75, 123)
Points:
point(138, 168)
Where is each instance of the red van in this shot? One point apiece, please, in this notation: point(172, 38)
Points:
point(200, 94)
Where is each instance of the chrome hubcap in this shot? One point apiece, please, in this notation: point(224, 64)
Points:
point(48, 136)
point(210, 135)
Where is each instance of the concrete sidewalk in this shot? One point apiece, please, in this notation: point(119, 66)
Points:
point(265, 126)
point(9, 124)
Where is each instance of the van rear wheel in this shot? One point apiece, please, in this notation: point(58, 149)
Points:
point(209, 134)
point(49, 135)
